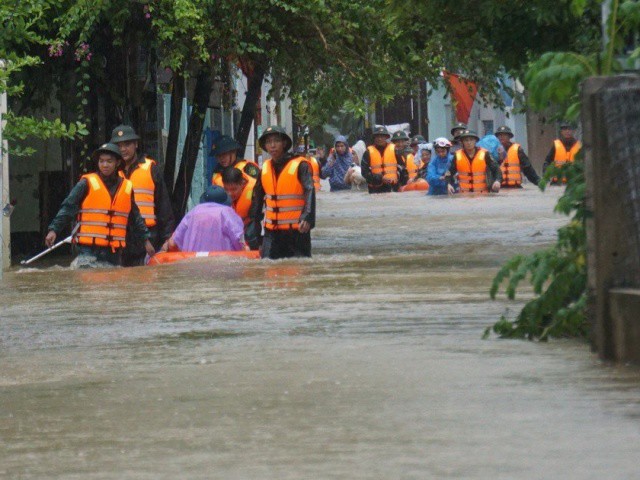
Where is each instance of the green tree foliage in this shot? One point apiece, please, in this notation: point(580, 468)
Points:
point(20, 36)
point(558, 274)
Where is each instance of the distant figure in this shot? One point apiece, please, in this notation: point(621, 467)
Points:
point(477, 171)
point(382, 166)
point(515, 161)
point(211, 226)
point(339, 162)
point(564, 149)
point(439, 166)
point(457, 129)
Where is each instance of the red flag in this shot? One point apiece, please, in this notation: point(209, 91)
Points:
point(464, 94)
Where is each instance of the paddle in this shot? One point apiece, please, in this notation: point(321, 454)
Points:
point(52, 247)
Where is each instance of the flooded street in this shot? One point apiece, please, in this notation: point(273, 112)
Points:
point(364, 362)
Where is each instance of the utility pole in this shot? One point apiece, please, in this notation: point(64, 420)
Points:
point(5, 230)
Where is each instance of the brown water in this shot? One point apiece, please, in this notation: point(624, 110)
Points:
point(365, 362)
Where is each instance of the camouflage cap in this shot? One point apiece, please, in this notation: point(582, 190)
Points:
point(106, 148)
point(275, 130)
point(468, 134)
point(399, 135)
point(123, 133)
point(224, 144)
point(381, 130)
point(504, 129)
point(458, 126)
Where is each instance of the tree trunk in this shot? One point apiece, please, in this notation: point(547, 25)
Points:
point(254, 89)
point(177, 95)
point(192, 143)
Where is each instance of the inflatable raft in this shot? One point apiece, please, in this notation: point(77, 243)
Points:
point(171, 257)
point(420, 185)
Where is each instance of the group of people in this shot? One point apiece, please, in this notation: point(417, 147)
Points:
point(457, 165)
point(124, 214)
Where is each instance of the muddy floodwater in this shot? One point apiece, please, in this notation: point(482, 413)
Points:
point(364, 362)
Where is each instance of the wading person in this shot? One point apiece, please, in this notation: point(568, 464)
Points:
point(457, 129)
point(211, 226)
point(285, 190)
point(401, 142)
point(315, 165)
point(339, 161)
point(563, 150)
point(515, 161)
point(382, 167)
point(226, 152)
point(476, 170)
point(103, 204)
point(150, 192)
point(416, 141)
point(439, 166)
point(240, 191)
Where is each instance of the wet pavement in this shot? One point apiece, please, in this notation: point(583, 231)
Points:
point(364, 362)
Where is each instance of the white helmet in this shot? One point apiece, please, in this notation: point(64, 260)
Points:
point(441, 142)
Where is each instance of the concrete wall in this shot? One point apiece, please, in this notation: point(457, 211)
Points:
point(611, 123)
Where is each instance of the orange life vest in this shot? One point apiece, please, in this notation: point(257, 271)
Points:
point(511, 174)
point(217, 176)
point(144, 191)
point(284, 196)
point(243, 204)
point(412, 168)
point(472, 175)
point(563, 156)
point(315, 170)
point(103, 220)
point(385, 165)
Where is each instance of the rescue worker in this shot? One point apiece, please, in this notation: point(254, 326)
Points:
point(103, 204)
point(315, 169)
point(401, 142)
point(150, 192)
point(564, 149)
point(476, 169)
point(240, 191)
point(439, 166)
point(416, 141)
point(226, 152)
point(212, 226)
point(457, 129)
point(382, 166)
point(340, 160)
point(285, 190)
point(515, 161)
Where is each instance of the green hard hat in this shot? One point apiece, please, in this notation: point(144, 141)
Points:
point(504, 129)
point(458, 126)
point(106, 148)
point(224, 144)
point(399, 135)
point(275, 129)
point(381, 130)
point(567, 124)
point(123, 133)
point(468, 133)
point(418, 139)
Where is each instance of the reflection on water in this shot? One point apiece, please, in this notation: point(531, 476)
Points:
point(362, 362)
